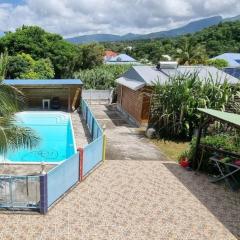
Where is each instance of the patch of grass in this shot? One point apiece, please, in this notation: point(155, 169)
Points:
point(171, 149)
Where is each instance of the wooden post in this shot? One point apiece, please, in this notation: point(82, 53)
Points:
point(195, 162)
point(199, 134)
point(80, 150)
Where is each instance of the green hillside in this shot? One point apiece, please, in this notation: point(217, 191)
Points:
point(215, 40)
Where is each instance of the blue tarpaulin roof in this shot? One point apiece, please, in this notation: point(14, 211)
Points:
point(19, 82)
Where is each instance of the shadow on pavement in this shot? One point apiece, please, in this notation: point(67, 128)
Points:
point(220, 201)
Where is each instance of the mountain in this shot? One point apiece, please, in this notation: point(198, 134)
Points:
point(232, 19)
point(95, 38)
point(191, 27)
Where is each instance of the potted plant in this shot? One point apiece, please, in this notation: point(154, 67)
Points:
point(184, 159)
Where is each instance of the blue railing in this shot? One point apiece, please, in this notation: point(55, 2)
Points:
point(62, 178)
point(94, 153)
point(91, 121)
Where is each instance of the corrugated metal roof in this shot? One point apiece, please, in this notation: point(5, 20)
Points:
point(122, 58)
point(233, 59)
point(150, 75)
point(205, 71)
point(32, 82)
point(224, 116)
point(132, 84)
point(123, 63)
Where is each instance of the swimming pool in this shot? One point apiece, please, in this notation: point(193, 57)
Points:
point(56, 133)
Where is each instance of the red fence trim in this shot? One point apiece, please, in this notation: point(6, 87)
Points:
point(80, 150)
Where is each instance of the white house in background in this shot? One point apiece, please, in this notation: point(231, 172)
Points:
point(122, 59)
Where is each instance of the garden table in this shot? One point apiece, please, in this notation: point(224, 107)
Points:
point(227, 170)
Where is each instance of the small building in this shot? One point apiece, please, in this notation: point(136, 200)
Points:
point(122, 59)
point(135, 86)
point(109, 54)
point(40, 92)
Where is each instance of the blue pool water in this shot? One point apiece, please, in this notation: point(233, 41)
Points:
point(56, 134)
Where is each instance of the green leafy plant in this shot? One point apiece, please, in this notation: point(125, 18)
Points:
point(218, 63)
point(101, 77)
point(223, 141)
point(12, 136)
point(174, 104)
point(23, 66)
point(184, 155)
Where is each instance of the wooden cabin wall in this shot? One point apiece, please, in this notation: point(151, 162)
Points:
point(34, 96)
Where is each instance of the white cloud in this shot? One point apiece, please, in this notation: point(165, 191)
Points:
point(72, 17)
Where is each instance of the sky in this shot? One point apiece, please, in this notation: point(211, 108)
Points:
point(79, 17)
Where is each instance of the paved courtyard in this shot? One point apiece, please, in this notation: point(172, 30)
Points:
point(136, 194)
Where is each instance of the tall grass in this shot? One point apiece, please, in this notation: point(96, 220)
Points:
point(174, 105)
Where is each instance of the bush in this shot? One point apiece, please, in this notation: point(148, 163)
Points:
point(223, 141)
point(23, 66)
point(101, 77)
point(218, 63)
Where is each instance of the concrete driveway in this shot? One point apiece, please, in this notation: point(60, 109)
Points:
point(124, 141)
point(137, 194)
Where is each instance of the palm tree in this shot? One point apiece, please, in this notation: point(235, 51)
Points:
point(12, 136)
point(189, 53)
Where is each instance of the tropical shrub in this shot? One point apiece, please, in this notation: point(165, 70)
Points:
point(174, 111)
point(218, 63)
point(101, 77)
point(92, 55)
point(25, 67)
point(190, 52)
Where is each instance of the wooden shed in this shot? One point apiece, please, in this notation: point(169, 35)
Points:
point(40, 92)
point(135, 87)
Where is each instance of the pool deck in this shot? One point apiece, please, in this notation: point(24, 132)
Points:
point(81, 133)
point(137, 194)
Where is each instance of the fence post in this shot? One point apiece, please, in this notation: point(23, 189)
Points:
point(80, 150)
point(104, 143)
point(43, 194)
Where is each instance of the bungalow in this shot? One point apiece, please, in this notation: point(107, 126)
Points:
point(43, 93)
point(135, 86)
